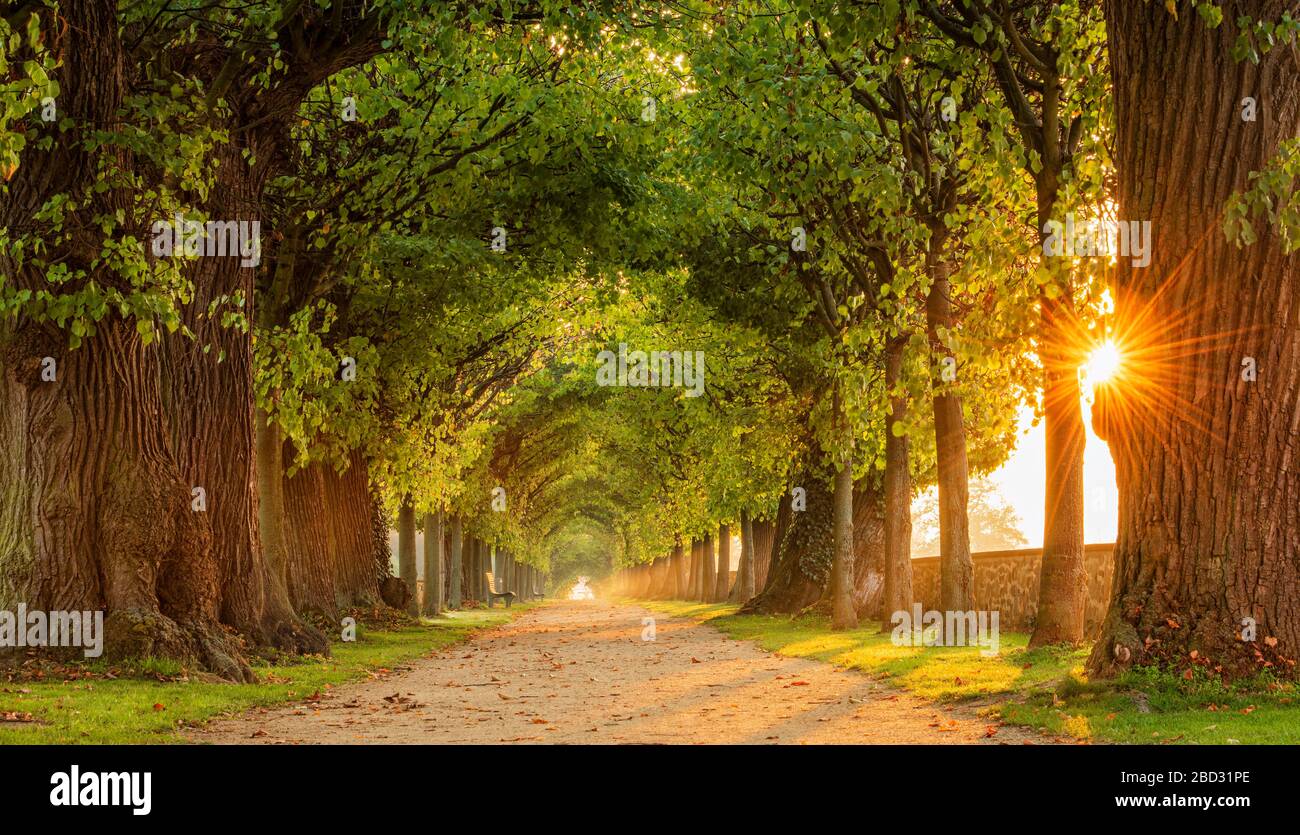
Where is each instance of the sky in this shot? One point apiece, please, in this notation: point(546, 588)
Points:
point(1020, 480)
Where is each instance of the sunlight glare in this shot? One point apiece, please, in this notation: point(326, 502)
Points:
point(1103, 363)
point(581, 591)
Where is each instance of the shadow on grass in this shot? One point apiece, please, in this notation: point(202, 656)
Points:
point(1044, 688)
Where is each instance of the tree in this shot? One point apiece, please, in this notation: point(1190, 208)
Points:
point(1043, 59)
point(1206, 560)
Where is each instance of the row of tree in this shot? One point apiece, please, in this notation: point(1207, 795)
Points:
point(879, 187)
point(842, 208)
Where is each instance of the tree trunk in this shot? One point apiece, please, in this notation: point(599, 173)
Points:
point(432, 604)
point(95, 512)
point(709, 575)
point(898, 595)
point(677, 568)
point(693, 572)
point(406, 554)
point(843, 614)
point(723, 587)
point(956, 569)
point(311, 551)
point(483, 558)
point(765, 545)
point(455, 562)
point(208, 392)
point(327, 530)
point(1063, 584)
point(1208, 552)
point(868, 550)
point(271, 512)
point(743, 590)
point(1063, 580)
point(801, 555)
point(474, 575)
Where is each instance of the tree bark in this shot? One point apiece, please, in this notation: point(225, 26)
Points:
point(693, 572)
point(801, 555)
point(709, 574)
point(956, 568)
point(330, 539)
point(455, 562)
point(95, 512)
point(868, 550)
point(898, 595)
point(722, 588)
point(677, 570)
point(432, 604)
point(765, 545)
point(475, 573)
point(843, 614)
point(406, 553)
point(743, 589)
point(1209, 524)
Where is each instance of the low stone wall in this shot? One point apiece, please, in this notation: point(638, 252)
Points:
point(1007, 581)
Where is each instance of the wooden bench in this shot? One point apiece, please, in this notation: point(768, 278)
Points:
point(493, 593)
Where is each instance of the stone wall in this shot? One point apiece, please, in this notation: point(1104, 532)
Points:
point(1007, 581)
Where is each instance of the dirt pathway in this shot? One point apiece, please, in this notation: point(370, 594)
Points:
point(579, 672)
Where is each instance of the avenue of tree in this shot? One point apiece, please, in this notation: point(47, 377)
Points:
point(845, 208)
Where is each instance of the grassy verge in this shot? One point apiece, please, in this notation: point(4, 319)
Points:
point(152, 702)
point(1043, 688)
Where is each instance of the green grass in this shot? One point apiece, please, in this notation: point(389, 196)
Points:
point(141, 708)
point(1043, 688)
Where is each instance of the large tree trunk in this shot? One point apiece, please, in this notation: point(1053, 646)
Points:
point(95, 513)
point(209, 394)
point(898, 596)
point(956, 568)
point(94, 509)
point(307, 535)
point(868, 551)
point(1209, 522)
point(801, 556)
point(329, 537)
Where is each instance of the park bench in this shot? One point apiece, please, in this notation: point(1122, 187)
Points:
point(493, 593)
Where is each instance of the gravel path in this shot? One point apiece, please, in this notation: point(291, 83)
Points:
point(579, 672)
